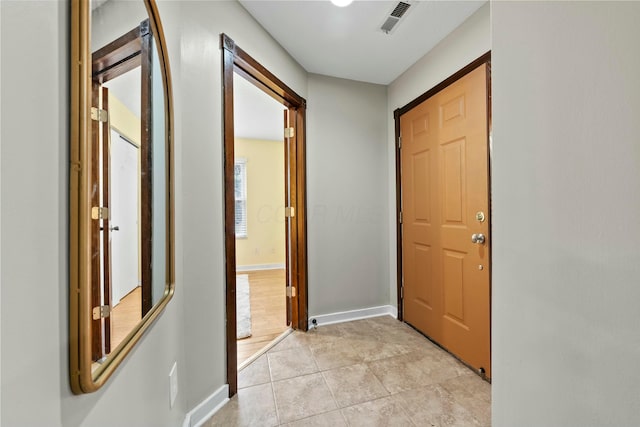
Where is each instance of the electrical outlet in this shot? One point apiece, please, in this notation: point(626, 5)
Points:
point(173, 384)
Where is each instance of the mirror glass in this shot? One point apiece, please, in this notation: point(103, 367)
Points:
point(122, 209)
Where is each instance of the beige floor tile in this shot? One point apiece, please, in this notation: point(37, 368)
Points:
point(435, 406)
point(416, 369)
point(473, 393)
point(299, 339)
point(373, 349)
point(355, 329)
point(255, 373)
point(302, 397)
point(295, 339)
point(291, 363)
point(328, 419)
point(403, 334)
point(334, 354)
point(381, 412)
point(353, 384)
point(252, 406)
point(323, 334)
point(356, 366)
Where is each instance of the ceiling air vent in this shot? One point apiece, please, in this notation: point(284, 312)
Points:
point(395, 16)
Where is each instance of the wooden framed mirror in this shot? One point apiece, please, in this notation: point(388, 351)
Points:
point(121, 184)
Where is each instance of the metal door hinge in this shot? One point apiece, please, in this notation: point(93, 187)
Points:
point(400, 142)
point(400, 217)
point(99, 212)
point(402, 292)
point(289, 212)
point(289, 132)
point(291, 291)
point(101, 312)
point(99, 115)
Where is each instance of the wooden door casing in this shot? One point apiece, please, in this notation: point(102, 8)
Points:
point(236, 60)
point(444, 182)
point(127, 52)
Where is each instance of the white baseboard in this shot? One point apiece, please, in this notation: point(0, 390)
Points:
point(347, 316)
point(255, 267)
point(209, 406)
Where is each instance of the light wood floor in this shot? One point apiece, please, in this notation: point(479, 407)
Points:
point(125, 316)
point(268, 311)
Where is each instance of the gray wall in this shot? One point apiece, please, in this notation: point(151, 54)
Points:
point(347, 195)
point(202, 175)
point(32, 246)
point(35, 247)
point(566, 201)
point(34, 220)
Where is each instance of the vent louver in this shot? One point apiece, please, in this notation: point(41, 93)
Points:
point(400, 9)
point(394, 17)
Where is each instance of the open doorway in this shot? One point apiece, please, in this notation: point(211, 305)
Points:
point(235, 60)
point(259, 184)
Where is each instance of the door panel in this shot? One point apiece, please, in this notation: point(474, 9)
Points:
point(101, 264)
point(421, 300)
point(453, 181)
point(124, 230)
point(444, 184)
point(287, 223)
point(421, 183)
point(423, 270)
point(453, 278)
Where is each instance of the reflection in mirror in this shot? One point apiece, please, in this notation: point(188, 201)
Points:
point(125, 278)
point(128, 239)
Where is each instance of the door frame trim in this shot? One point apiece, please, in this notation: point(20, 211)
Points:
point(234, 59)
point(484, 59)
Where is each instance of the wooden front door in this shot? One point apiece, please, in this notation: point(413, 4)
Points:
point(445, 209)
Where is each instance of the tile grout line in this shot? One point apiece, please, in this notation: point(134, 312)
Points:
point(330, 391)
point(275, 403)
point(273, 392)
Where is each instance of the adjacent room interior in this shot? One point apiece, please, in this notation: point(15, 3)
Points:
point(259, 174)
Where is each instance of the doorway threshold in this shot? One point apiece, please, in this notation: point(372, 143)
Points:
point(264, 349)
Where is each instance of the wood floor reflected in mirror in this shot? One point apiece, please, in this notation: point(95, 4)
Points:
point(126, 315)
point(268, 311)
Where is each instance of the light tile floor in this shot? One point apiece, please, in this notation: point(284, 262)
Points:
point(371, 372)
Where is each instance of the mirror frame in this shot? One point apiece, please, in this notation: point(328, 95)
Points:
point(82, 379)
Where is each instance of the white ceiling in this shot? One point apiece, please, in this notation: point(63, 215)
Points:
point(343, 42)
point(256, 114)
point(347, 41)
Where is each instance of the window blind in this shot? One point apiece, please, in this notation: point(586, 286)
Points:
point(240, 185)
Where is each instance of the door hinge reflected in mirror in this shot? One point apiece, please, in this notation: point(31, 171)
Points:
point(291, 291)
point(99, 115)
point(289, 132)
point(289, 212)
point(99, 212)
point(101, 312)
